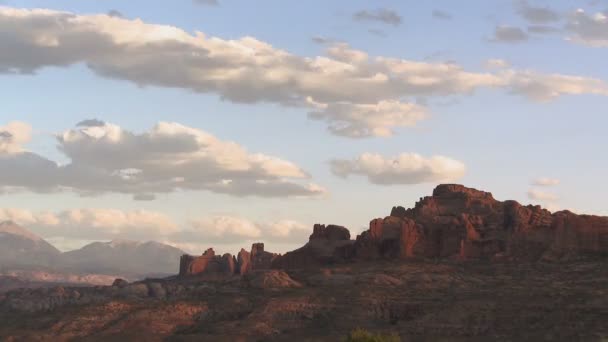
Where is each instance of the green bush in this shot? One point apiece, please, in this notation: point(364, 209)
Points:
point(362, 335)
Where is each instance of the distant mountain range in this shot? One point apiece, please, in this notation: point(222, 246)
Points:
point(135, 259)
point(22, 248)
point(28, 258)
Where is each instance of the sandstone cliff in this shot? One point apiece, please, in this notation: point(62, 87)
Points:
point(460, 222)
point(456, 223)
point(212, 265)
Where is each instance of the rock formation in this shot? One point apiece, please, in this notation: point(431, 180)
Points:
point(327, 245)
point(208, 263)
point(226, 265)
point(460, 222)
point(243, 262)
point(456, 222)
point(260, 259)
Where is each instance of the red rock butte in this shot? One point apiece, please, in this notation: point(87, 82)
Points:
point(456, 222)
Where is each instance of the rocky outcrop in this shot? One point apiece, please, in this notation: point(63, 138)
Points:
point(392, 237)
point(226, 265)
point(329, 233)
point(465, 223)
point(327, 245)
point(260, 259)
point(243, 262)
point(456, 222)
point(207, 264)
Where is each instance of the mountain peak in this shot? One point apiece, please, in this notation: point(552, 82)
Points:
point(10, 227)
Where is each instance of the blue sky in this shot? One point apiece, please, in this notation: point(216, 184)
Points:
point(504, 140)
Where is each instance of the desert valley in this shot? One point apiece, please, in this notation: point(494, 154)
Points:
point(460, 265)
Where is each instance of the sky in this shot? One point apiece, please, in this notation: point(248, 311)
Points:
point(205, 123)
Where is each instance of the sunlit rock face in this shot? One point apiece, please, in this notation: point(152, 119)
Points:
point(208, 263)
point(465, 223)
point(456, 222)
point(227, 265)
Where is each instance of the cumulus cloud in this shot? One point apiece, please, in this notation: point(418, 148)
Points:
point(509, 34)
point(406, 168)
point(545, 181)
point(588, 29)
point(95, 224)
point(248, 70)
point(226, 229)
point(361, 120)
point(382, 15)
point(544, 87)
point(105, 158)
point(537, 15)
point(442, 15)
point(13, 136)
point(287, 231)
point(539, 195)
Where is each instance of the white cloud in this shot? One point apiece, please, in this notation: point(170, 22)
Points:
point(104, 158)
point(406, 168)
point(227, 229)
point(352, 120)
point(13, 136)
point(248, 70)
point(93, 224)
point(546, 181)
point(545, 87)
point(71, 227)
point(224, 227)
point(288, 231)
point(588, 29)
point(539, 195)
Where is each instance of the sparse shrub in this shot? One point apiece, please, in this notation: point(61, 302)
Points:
point(362, 335)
